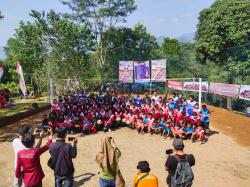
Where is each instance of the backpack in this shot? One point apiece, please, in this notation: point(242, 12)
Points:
point(183, 176)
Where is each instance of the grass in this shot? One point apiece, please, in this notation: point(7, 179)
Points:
point(21, 106)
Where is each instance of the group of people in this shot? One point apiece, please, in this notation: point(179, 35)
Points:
point(173, 116)
point(29, 172)
point(169, 116)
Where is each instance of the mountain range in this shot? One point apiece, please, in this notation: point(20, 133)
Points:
point(185, 38)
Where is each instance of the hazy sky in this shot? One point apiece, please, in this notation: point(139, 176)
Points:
point(170, 18)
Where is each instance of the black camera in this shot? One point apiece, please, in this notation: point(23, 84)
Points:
point(169, 151)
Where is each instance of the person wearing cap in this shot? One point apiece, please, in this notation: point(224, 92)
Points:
point(143, 178)
point(172, 161)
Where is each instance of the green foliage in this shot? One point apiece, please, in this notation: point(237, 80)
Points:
point(171, 47)
point(223, 36)
point(127, 44)
point(103, 15)
point(26, 47)
point(13, 87)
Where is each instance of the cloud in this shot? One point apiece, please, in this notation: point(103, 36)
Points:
point(174, 19)
point(186, 15)
point(160, 20)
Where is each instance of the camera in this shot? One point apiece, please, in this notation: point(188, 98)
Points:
point(169, 151)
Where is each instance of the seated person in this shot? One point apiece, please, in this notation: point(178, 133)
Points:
point(143, 178)
point(199, 134)
point(189, 131)
point(167, 130)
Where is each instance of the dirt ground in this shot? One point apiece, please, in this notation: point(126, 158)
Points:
point(223, 161)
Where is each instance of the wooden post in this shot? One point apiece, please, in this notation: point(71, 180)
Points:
point(229, 103)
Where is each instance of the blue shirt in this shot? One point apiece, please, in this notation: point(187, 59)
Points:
point(171, 106)
point(138, 101)
point(205, 112)
point(189, 129)
point(168, 129)
point(161, 124)
point(145, 120)
point(190, 107)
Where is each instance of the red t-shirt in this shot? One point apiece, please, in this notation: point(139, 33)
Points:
point(29, 161)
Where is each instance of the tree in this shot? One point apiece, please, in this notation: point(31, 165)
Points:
point(103, 14)
point(26, 47)
point(127, 44)
point(1, 16)
point(52, 45)
point(223, 36)
point(171, 47)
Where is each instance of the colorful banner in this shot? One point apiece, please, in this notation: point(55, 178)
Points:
point(126, 71)
point(1, 70)
point(22, 86)
point(244, 92)
point(230, 90)
point(175, 85)
point(158, 70)
point(194, 86)
point(142, 73)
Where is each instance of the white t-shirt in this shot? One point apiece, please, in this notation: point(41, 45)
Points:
point(17, 146)
point(156, 98)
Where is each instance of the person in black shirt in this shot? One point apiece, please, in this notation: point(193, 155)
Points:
point(172, 162)
point(62, 154)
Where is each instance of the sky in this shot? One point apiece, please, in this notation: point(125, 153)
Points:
point(171, 18)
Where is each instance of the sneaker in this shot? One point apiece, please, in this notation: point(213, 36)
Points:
point(109, 130)
point(203, 141)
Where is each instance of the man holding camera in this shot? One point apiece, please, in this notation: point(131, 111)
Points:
point(179, 165)
point(61, 159)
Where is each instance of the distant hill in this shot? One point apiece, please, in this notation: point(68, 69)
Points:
point(2, 54)
point(187, 38)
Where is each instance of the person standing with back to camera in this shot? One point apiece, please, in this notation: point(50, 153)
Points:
point(179, 165)
point(107, 160)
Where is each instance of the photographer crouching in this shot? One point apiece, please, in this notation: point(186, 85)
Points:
point(179, 165)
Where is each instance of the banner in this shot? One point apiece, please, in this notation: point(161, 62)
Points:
point(21, 79)
point(194, 86)
point(142, 73)
point(230, 90)
point(175, 85)
point(158, 70)
point(244, 92)
point(126, 71)
point(1, 70)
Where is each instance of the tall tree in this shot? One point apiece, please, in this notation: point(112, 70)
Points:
point(103, 14)
point(223, 36)
point(127, 44)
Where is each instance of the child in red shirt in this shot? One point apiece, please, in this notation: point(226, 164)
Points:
point(199, 134)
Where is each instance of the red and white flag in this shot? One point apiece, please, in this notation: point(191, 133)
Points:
point(22, 86)
point(1, 70)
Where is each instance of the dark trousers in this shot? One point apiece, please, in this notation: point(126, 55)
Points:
point(37, 185)
point(66, 180)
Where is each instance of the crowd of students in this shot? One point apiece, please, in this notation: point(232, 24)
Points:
point(173, 116)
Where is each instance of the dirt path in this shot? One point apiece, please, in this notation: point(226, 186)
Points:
point(219, 163)
point(10, 130)
point(234, 125)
